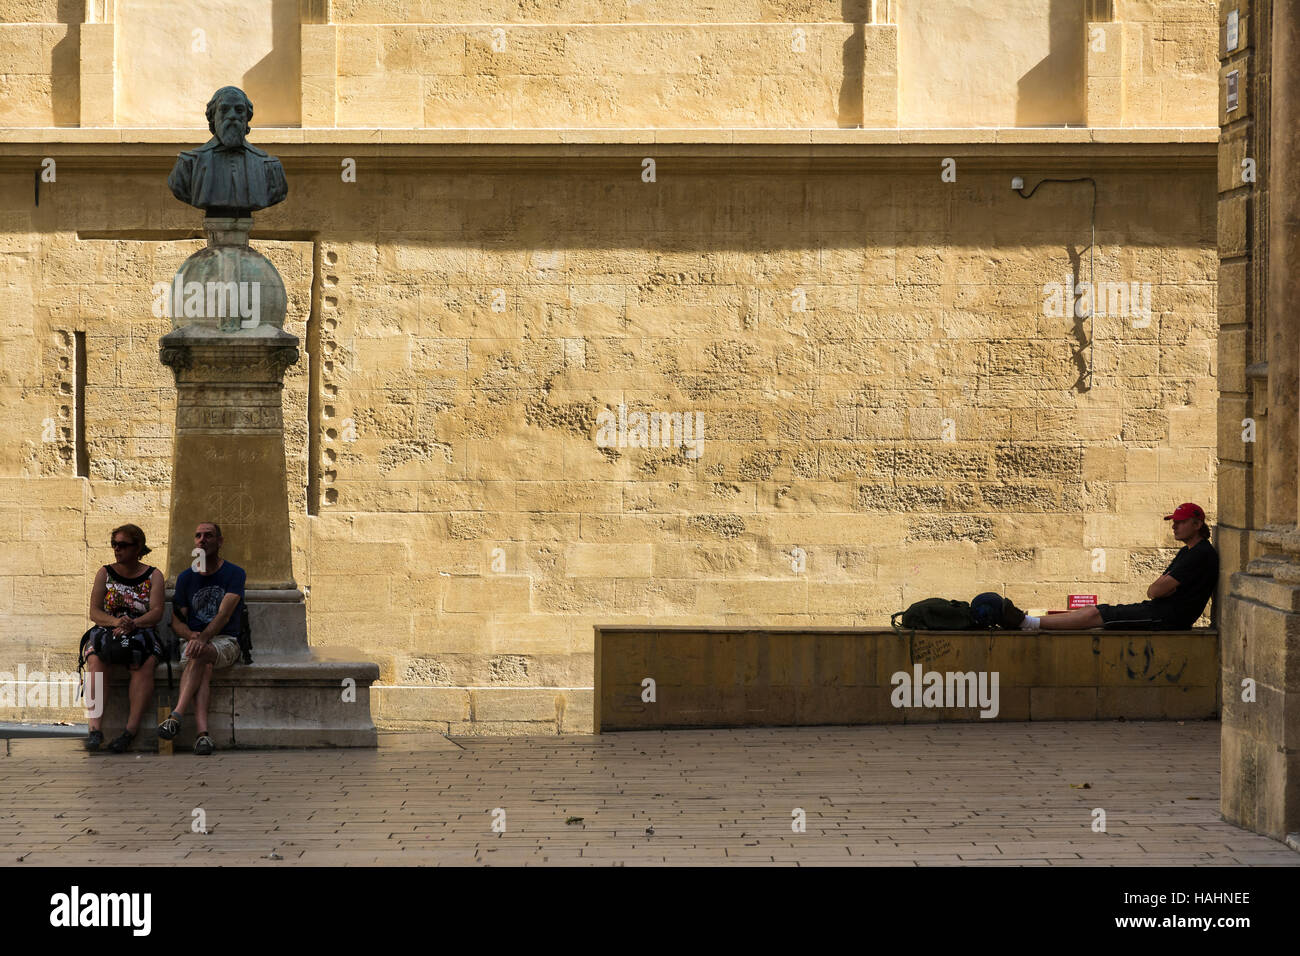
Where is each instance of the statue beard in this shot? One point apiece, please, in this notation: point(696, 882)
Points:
point(231, 134)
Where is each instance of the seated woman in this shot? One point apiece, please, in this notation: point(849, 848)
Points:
point(126, 605)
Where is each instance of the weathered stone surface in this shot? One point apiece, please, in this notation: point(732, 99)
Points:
point(724, 677)
point(878, 384)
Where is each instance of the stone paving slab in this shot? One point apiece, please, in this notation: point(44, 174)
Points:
point(922, 795)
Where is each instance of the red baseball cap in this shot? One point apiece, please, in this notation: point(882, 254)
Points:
point(1185, 511)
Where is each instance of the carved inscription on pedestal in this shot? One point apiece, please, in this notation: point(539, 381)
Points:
point(240, 420)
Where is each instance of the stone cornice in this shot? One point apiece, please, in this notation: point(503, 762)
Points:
point(515, 149)
point(187, 137)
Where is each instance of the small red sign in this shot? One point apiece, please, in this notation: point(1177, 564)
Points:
point(1082, 600)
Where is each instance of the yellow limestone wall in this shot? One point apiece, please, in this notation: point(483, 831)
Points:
point(597, 63)
point(888, 414)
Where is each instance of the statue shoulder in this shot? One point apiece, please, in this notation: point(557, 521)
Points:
point(255, 151)
point(205, 148)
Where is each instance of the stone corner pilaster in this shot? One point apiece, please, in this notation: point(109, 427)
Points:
point(98, 68)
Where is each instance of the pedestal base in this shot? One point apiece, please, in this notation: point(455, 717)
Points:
point(290, 696)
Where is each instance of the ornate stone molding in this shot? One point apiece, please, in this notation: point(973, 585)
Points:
point(280, 358)
point(1286, 539)
point(1281, 560)
point(1100, 11)
point(200, 356)
point(176, 357)
point(314, 11)
point(1287, 573)
point(100, 11)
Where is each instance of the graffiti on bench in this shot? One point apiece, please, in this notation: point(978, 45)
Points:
point(1144, 666)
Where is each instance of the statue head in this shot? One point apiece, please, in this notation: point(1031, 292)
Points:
point(229, 113)
point(221, 194)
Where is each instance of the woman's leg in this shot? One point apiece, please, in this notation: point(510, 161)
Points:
point(141, 692)
point(95, 690)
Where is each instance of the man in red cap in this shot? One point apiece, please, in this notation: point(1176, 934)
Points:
point(1174, 600)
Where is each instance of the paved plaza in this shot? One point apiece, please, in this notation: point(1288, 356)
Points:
point(995, 794)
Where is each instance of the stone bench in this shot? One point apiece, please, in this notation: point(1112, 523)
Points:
point(290, 696)
point(775, 677)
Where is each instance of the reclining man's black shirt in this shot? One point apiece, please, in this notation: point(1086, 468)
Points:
point(1196, 569)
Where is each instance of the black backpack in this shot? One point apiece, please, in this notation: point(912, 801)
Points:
point(245, 634)
point(935, 614)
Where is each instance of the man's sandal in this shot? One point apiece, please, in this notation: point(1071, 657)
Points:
point(204, 746)
point(170, 727)
point(123, 743)
point(93, 740)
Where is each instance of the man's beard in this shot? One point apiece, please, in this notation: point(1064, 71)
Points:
point(231, 134)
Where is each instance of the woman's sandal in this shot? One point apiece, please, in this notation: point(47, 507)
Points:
point(93, 740)
point(123, 743)
point(170, 727)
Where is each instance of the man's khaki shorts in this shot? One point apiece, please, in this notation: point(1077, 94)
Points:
point(227, 649)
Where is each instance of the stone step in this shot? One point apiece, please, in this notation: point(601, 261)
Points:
point(277, 701)
point(277, 620)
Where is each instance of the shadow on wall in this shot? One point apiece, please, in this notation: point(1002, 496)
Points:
point(1052, 93)
point(858, 13)
point(269, 72)
point(65, 65)
point(171, 57)
point(1081, 356)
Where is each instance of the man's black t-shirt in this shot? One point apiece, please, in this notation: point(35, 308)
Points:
point(1196, 569)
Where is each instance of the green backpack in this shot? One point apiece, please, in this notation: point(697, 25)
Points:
point(935, 614)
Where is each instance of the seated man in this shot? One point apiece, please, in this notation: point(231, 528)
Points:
point(1176, 598)
point(204, 617)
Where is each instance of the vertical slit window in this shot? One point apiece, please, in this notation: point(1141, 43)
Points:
point(79, 406)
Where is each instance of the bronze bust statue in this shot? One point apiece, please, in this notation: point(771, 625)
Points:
point(227, 176)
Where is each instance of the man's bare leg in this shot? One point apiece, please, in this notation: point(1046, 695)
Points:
point(194, 677)
point(203, 694)
point(141, 693)
point(1077, 619)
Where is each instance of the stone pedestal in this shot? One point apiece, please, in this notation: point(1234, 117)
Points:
point(228, 459)
point(229, 352)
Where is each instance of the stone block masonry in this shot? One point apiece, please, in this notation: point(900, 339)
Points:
point(479, 262)
point(866, 442)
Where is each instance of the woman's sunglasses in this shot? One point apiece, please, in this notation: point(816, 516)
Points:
point(121, 544)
